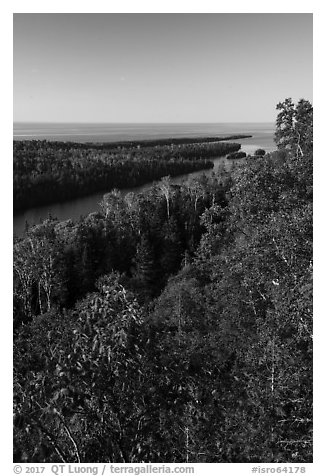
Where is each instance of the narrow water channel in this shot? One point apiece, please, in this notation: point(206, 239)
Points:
point(73, 209)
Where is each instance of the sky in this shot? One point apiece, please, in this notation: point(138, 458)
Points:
point(158, 67)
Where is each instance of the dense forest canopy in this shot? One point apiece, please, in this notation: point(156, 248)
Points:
point(173, 325)
point(48, 172)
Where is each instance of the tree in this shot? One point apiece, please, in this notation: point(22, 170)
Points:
point(284, 135)
point(171, 250)
point(110, 203)
point(304, 126)
point(23, 281)
point(78, 381)
point(261, 296)
point(144, 271)
point(39, 265)
point(294, 126)
point(165, 188)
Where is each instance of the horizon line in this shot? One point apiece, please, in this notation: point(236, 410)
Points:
point(124, 123)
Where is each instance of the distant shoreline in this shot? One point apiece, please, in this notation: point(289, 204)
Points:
point(143, 142)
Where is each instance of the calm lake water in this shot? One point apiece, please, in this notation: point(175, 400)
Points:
point(262, 137)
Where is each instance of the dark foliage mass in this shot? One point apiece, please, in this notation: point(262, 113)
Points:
point(260, 152)
point(130, 144)
point(173, 325)
point(236, 155)
point(46, 172)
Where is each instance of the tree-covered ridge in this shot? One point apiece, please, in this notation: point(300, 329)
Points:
point(143, 143)
point(46, 172)
point(173, 325)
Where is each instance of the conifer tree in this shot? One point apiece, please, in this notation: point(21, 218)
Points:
point(144, 272)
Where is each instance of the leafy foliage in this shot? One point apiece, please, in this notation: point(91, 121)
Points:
point(194, 342)
point(294, 126)
point(78, 377)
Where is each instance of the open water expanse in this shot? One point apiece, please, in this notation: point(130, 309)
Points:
point(262, 137)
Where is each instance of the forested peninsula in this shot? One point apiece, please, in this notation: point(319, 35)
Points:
point(48, 172)
point(173, 325)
